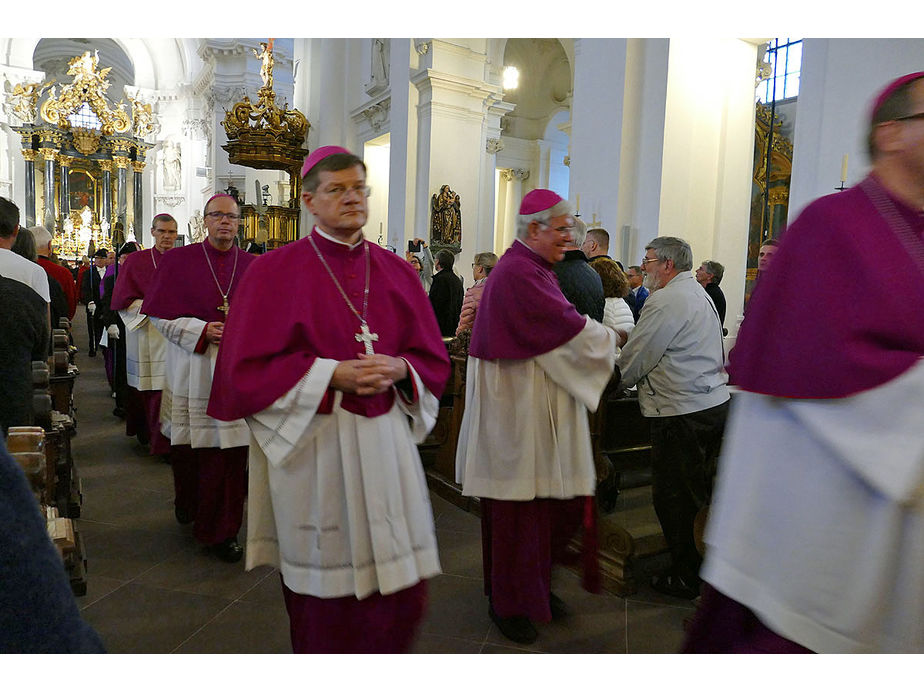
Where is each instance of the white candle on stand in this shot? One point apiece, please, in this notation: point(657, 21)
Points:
point(844, 168)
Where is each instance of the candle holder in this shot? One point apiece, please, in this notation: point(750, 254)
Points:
point(841, 188)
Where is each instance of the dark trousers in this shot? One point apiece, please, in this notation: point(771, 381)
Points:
point(684, 454)
point(210, 486)
point(92, 334)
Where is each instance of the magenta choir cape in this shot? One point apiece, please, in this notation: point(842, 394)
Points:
point(134, 278)
point(288, 312)
point(523, 312)
point(183, 286)
point(822, 323)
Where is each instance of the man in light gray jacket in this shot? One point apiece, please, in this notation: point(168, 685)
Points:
point(675, 355)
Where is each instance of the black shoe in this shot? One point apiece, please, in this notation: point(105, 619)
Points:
point(517, 628)
point(674, 586)
point(229, 550)
point(558, 608)
point(91, 354)
point(119, 412)
point(181, 515)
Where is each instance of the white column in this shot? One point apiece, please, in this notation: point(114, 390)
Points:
point(596, 127)
point(403, 118)
point(451, 139)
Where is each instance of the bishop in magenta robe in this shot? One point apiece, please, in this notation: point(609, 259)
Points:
point(536, 367)
point(145, 346)
point(337, 499)
point(815, 531)
point(187, 301)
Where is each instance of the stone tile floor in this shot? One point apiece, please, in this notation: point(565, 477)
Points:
point(151, 589)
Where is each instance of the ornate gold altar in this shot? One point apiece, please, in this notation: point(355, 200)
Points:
point(88, 139)
point(264, 136)
point(767, 220)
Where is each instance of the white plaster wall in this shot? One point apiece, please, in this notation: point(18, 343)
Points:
point(596, 127)
point(708, 153)
point(840, 79)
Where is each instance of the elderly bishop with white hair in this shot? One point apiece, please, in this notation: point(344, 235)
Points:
point(535, 369)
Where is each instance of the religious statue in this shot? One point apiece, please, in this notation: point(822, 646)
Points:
point(266, 69)
point(24, 98)
point(171, 165)
point(196, 226)
point(142, 117)
point(446, 218)
point(380, 60)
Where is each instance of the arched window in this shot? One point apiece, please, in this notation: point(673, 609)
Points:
point(85, 118)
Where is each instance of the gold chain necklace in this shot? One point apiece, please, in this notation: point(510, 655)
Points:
point(224, 307)
point(364, 335)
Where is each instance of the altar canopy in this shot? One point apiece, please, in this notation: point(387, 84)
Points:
point(82, 139)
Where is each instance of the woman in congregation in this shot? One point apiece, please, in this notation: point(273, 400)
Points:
point(481, 268)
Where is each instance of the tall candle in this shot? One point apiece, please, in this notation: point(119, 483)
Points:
point(578, 204)
point(844, 168)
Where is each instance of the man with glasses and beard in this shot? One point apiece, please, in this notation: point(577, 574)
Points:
point(675, 355)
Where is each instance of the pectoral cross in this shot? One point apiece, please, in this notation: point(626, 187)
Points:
point(366, 337)
point(224, 307)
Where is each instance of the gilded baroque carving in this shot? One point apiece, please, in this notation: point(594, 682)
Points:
point(48, 154)
point(85, 141)
point(89, 86)
point(143, 118)
point(65, 161)
point(567, 161)
point(24, 97)
point(446, 218)
point(121, 161)
point(29, 154)
point(138, 166)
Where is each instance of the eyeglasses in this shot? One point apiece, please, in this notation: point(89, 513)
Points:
point(646, 260)
point(913, 116)
point(562, 230)
point(339, 191)
point(217, 216)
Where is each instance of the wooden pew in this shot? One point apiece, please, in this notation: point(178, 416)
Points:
point(28, 446)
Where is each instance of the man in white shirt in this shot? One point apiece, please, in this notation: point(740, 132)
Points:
point(675, 355)
point(13, 266)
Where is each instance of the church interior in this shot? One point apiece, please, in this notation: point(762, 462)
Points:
point(717, 141)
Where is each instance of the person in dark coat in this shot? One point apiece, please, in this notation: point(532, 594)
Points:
point(24, 338)
point(709, 275)
point(38, 614)
point(580, 284)
point(90, 295)
point(446, 294)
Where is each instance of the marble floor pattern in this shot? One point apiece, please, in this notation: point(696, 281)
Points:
point(152, 589)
